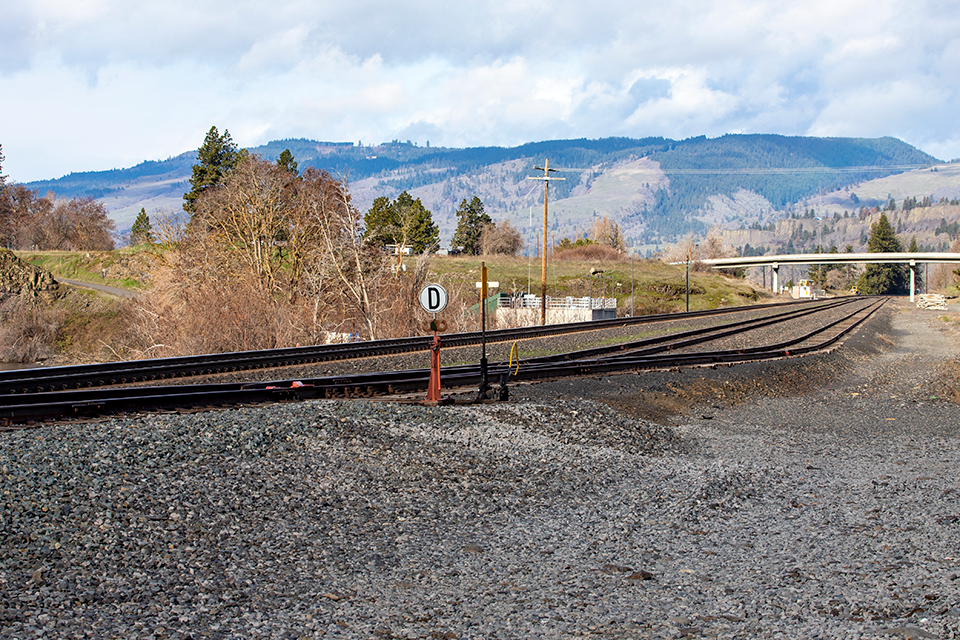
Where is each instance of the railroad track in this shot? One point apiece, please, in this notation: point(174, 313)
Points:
point(687, 348)
point(114, 373)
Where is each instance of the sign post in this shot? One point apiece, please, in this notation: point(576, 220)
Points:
point(433, 299)
point(482, 393)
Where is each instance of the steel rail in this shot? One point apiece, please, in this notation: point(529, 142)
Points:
point(95, 402)
point(693, 336)
point(78, 376)
point(785, 348)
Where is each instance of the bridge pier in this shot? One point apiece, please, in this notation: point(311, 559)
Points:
point(910, 258)
point(913, 278)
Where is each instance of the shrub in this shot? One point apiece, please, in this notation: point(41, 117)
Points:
point(29, 330)
point(589, 253)
point(502, 239)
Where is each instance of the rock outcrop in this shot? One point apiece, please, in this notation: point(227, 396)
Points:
point(20, 278)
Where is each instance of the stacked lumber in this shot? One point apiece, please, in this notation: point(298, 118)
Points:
point(932, 301)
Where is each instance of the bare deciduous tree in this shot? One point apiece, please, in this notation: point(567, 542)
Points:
point(607, 232)
point(354, 265)
point(271, 259)
point(249, 216)
point(502, 238)
point(710, 247)
point(47, 223)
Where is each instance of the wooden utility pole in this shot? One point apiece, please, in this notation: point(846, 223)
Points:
point(543, 271)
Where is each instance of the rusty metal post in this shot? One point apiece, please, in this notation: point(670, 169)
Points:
point(433, 388)
point(484, 386)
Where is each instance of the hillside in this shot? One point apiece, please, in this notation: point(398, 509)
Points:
point(657, 189)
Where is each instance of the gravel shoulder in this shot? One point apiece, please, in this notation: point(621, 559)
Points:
point(807, 498)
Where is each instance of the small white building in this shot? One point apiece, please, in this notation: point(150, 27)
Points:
point(524, 310)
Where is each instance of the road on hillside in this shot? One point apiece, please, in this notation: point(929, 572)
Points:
point(114, 291)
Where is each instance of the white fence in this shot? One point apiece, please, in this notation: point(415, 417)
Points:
point(530, 301)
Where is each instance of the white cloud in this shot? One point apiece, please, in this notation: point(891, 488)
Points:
point(91, 84)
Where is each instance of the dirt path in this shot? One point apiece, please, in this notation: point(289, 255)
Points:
point(114, 291)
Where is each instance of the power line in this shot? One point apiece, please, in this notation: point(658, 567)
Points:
point(776, 170)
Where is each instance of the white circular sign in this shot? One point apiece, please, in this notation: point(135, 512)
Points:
point(433, 298)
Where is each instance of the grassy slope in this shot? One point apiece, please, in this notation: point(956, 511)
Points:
point(162, 193)
point(127, 268)
point(86, 326)
point(656, 284)
point(945, 181)
point(622, 188)
point(659, 287)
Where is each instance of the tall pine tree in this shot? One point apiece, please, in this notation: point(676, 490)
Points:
point(141, 231)
point(216, 158)
point(286, 162)
point(472, 220)
point(878, 279)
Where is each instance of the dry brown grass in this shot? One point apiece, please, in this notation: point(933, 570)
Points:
point(77, 327)
point(589, 253)
point(29, 330)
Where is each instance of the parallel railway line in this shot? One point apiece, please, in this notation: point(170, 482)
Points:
point(686, 348)
point(113, 373)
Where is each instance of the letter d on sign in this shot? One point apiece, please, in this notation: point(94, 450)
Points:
point(433, 298)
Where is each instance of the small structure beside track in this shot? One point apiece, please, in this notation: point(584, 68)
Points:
point(524, 310)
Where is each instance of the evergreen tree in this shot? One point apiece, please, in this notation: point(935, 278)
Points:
point(880, 279)
point(417, 224)
point(6, 208)
point(216, 158)
point(141, 231)
point(286, 162)
point(380, 222)
point(472, 221)
point(403, 222)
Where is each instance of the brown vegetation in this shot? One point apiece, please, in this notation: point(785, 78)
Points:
point(501, 239)
point(708, 248)
point(943, 276)
point(29, 330)
point(607, 232)
point(271, 259)
point(74, 327)
point(591, 252)
point(28, 221)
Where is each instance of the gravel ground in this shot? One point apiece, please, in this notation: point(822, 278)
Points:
point(810, 498)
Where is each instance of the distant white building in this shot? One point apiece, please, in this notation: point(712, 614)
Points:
point(524, 310)
point(398, 250)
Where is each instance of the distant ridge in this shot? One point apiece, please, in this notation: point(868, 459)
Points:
point(663, 187)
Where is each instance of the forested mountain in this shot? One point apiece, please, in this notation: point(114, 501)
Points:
point(656, 188)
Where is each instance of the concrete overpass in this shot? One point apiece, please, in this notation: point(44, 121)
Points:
point(911, 259)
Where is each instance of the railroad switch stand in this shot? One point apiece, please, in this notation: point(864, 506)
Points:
point(433, 298)
point(483, 393)
point(503, 394)
point(433, 388)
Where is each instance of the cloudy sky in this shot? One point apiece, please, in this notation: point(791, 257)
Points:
point(99, 84)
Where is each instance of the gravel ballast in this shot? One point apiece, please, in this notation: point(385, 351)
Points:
point(805, 498)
